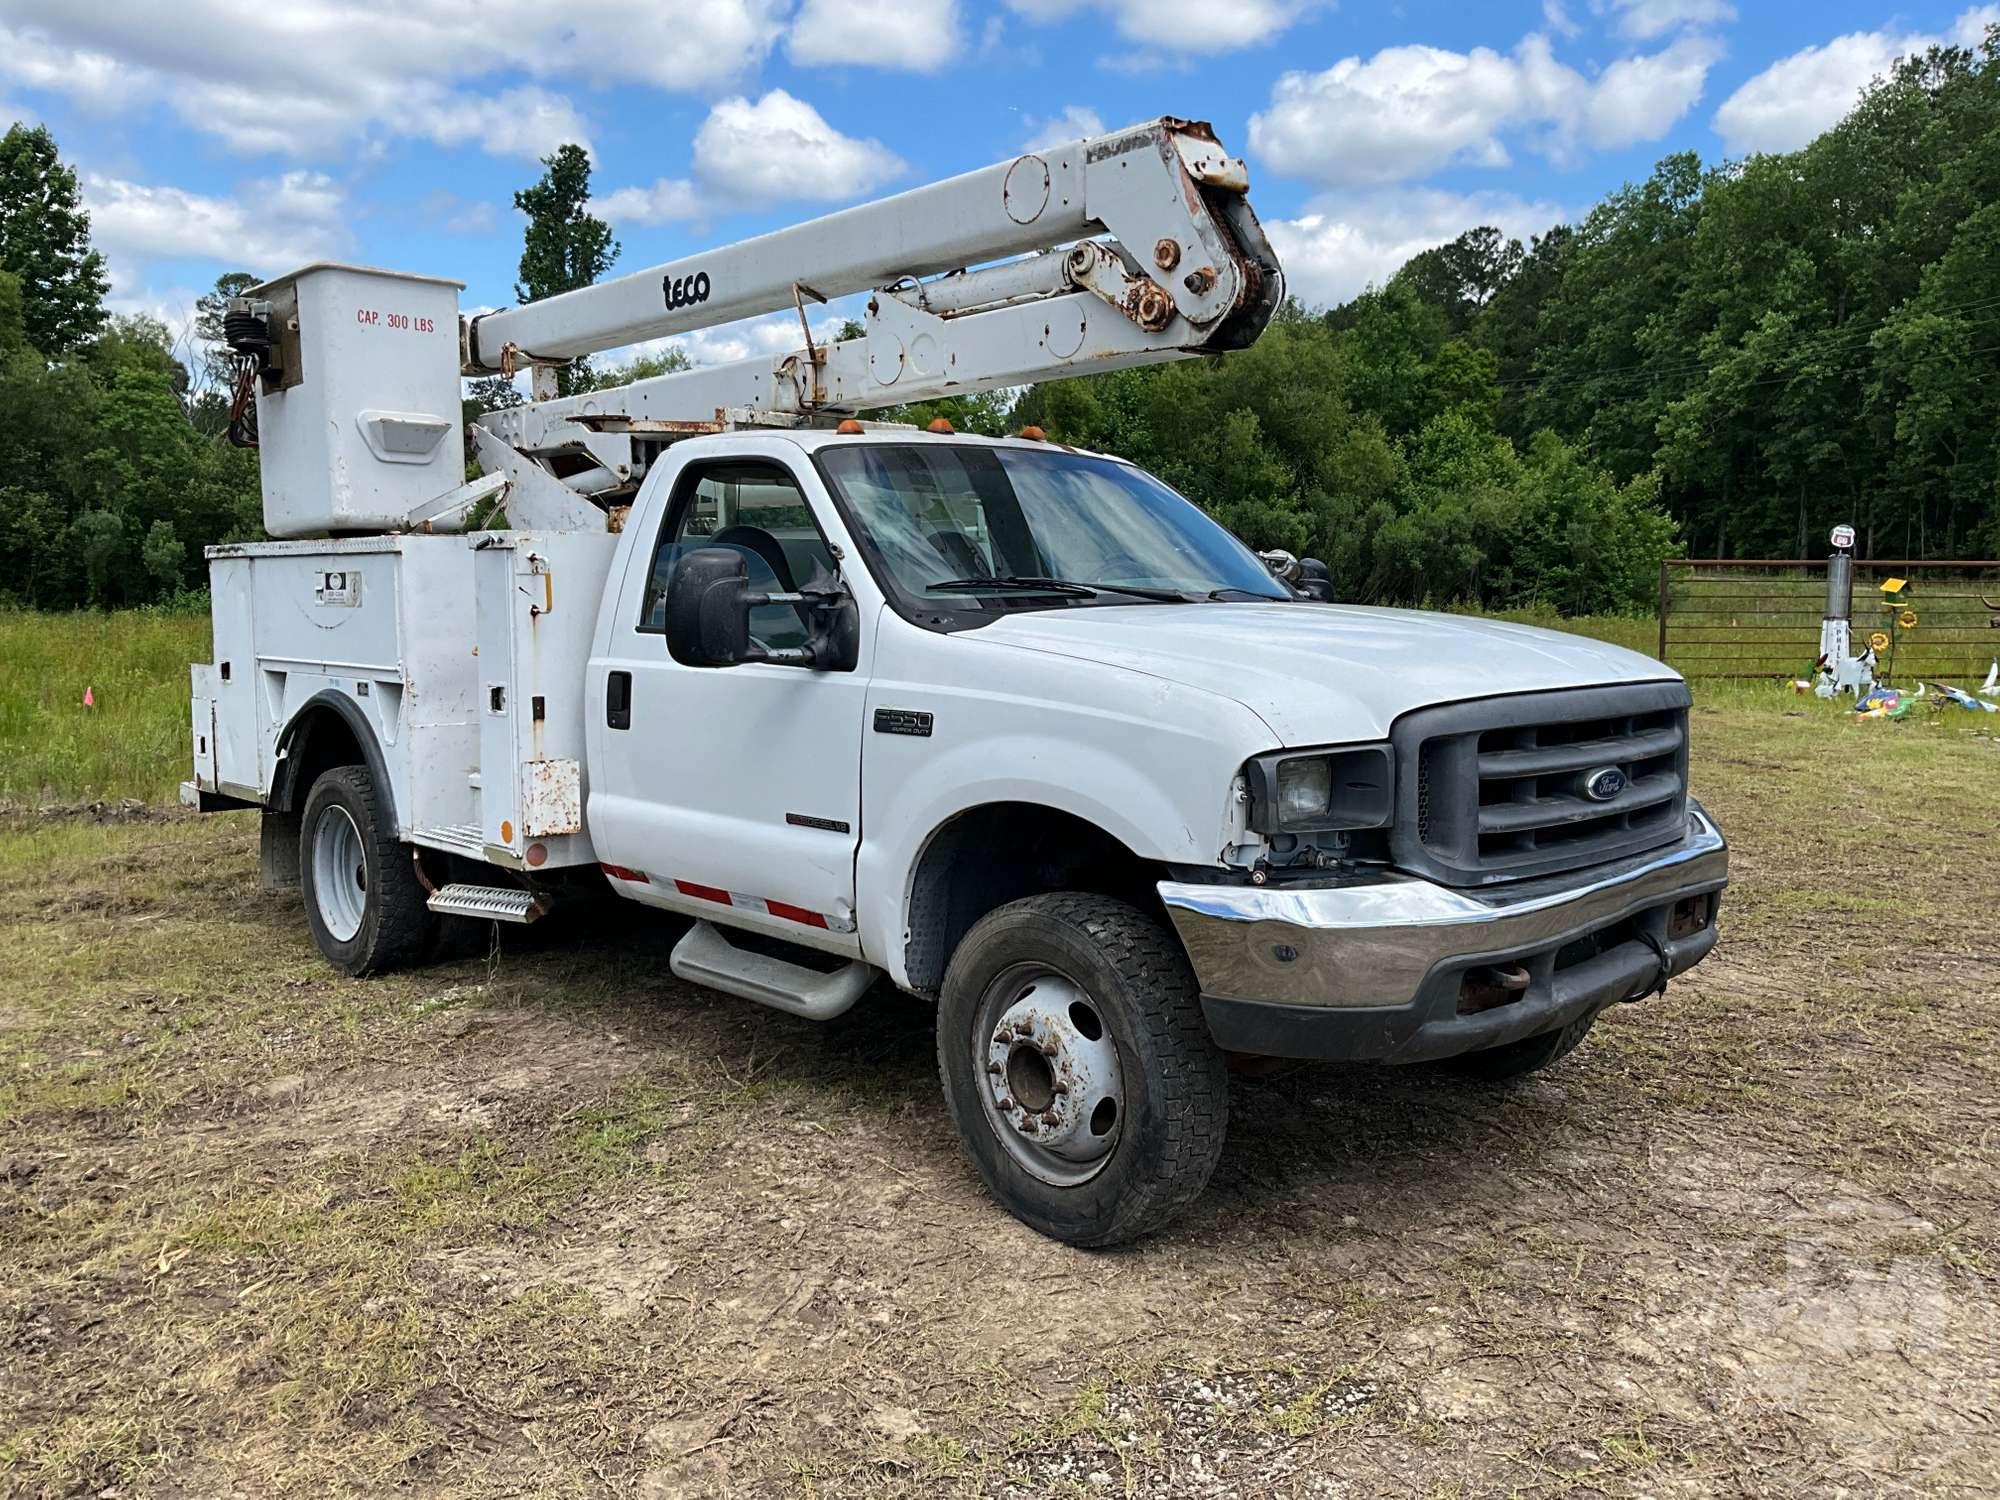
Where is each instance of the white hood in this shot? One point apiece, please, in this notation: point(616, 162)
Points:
point(1323, 674)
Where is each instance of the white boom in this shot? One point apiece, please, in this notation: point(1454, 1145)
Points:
point(1185, 269)
point(1133, 247)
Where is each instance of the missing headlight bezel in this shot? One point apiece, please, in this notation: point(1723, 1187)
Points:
point(1361, 793)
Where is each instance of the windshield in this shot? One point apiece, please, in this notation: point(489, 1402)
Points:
point(958, 527)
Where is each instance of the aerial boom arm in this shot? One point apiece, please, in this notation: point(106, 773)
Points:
point(1146, 184)
point(958, 303)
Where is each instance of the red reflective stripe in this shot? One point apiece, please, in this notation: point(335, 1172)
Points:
point(619, 872)
point(702, 892)
point(795, 914)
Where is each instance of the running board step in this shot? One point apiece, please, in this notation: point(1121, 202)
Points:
point(489, 903)
point(705, 956)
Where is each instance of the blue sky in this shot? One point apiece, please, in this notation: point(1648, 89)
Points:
point(257, 134)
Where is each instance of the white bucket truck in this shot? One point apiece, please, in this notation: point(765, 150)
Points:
point(1004, 724)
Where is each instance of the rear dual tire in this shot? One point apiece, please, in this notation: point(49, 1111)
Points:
point(364, 904)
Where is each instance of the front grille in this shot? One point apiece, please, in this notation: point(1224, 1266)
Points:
point(1494, 790)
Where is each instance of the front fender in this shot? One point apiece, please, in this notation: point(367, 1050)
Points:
point(1147, 760)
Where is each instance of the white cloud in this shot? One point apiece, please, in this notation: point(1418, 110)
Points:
point(670, 200)
point(775, 150)
point(1637, 98)
point(1643, 20)
point(1349, 241)
point(1188, 26)
point(277, 224)
point(919, 36)
point(1409, 111)
point(518, 122)
point(1557, 18)
point(92, 77)
point(1074, 122)
point(782, 148)
point(306, 75)
point(1970, 29)
point(1799, 96)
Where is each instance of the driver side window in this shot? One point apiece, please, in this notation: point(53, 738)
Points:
point(757, 510)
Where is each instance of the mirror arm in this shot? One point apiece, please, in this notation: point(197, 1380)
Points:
point(820, 601)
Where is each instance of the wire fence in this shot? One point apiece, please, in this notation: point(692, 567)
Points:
point(1760, 617)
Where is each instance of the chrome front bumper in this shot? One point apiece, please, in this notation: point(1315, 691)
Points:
point(1387, 954)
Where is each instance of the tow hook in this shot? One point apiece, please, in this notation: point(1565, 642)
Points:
point(1491, 986)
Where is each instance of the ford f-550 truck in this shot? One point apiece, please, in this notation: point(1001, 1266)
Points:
point(1008, 725)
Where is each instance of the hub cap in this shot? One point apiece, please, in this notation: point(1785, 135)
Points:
point(1049, 1071)
point(340, 874)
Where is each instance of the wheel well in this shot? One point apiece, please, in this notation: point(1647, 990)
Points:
point(990, 855)
point(328, 731)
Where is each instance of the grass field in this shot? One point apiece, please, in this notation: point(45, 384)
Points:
point(553, 1223)
point(133, 742)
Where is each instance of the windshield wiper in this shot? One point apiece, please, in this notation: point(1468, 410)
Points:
point(1020, 583)
point(1249, 596)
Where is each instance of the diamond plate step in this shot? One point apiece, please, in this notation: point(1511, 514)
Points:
point(490, 903)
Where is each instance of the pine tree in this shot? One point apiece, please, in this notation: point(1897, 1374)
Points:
point(565, 246)
point(45, 241)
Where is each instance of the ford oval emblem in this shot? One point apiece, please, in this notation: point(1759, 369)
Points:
point(1603, 784)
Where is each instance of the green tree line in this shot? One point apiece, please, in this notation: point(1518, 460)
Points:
point(1725, 361)
point(1721, 360)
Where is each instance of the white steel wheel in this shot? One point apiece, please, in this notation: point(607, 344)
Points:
point(1077, 1067)
point(366, 908)
point(340, 873)
point(1052, 1084)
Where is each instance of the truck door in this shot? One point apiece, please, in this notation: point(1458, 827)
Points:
point(729, 786)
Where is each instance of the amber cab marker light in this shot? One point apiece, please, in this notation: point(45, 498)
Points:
point(1032, 434)
point(943, 425)
point(849, 428)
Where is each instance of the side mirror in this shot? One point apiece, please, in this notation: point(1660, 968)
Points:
point(709, 599)
point(1314, 580)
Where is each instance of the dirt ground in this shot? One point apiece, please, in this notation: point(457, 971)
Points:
point(553, 1223)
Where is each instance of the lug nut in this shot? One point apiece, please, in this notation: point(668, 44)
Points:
point(1199, 280)
point(1167, 254)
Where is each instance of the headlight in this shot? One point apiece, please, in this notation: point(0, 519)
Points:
point(1305, 786)
point(1322, 791)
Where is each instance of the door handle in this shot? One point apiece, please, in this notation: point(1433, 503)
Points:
point(618, 700)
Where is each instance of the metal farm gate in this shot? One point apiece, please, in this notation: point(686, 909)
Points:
point(1760, 617)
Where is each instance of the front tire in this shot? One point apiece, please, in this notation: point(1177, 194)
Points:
point(363, 901)
point(1078, 1068)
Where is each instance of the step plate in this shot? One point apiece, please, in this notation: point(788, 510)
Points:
point(705, 956)
point(490, 903)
